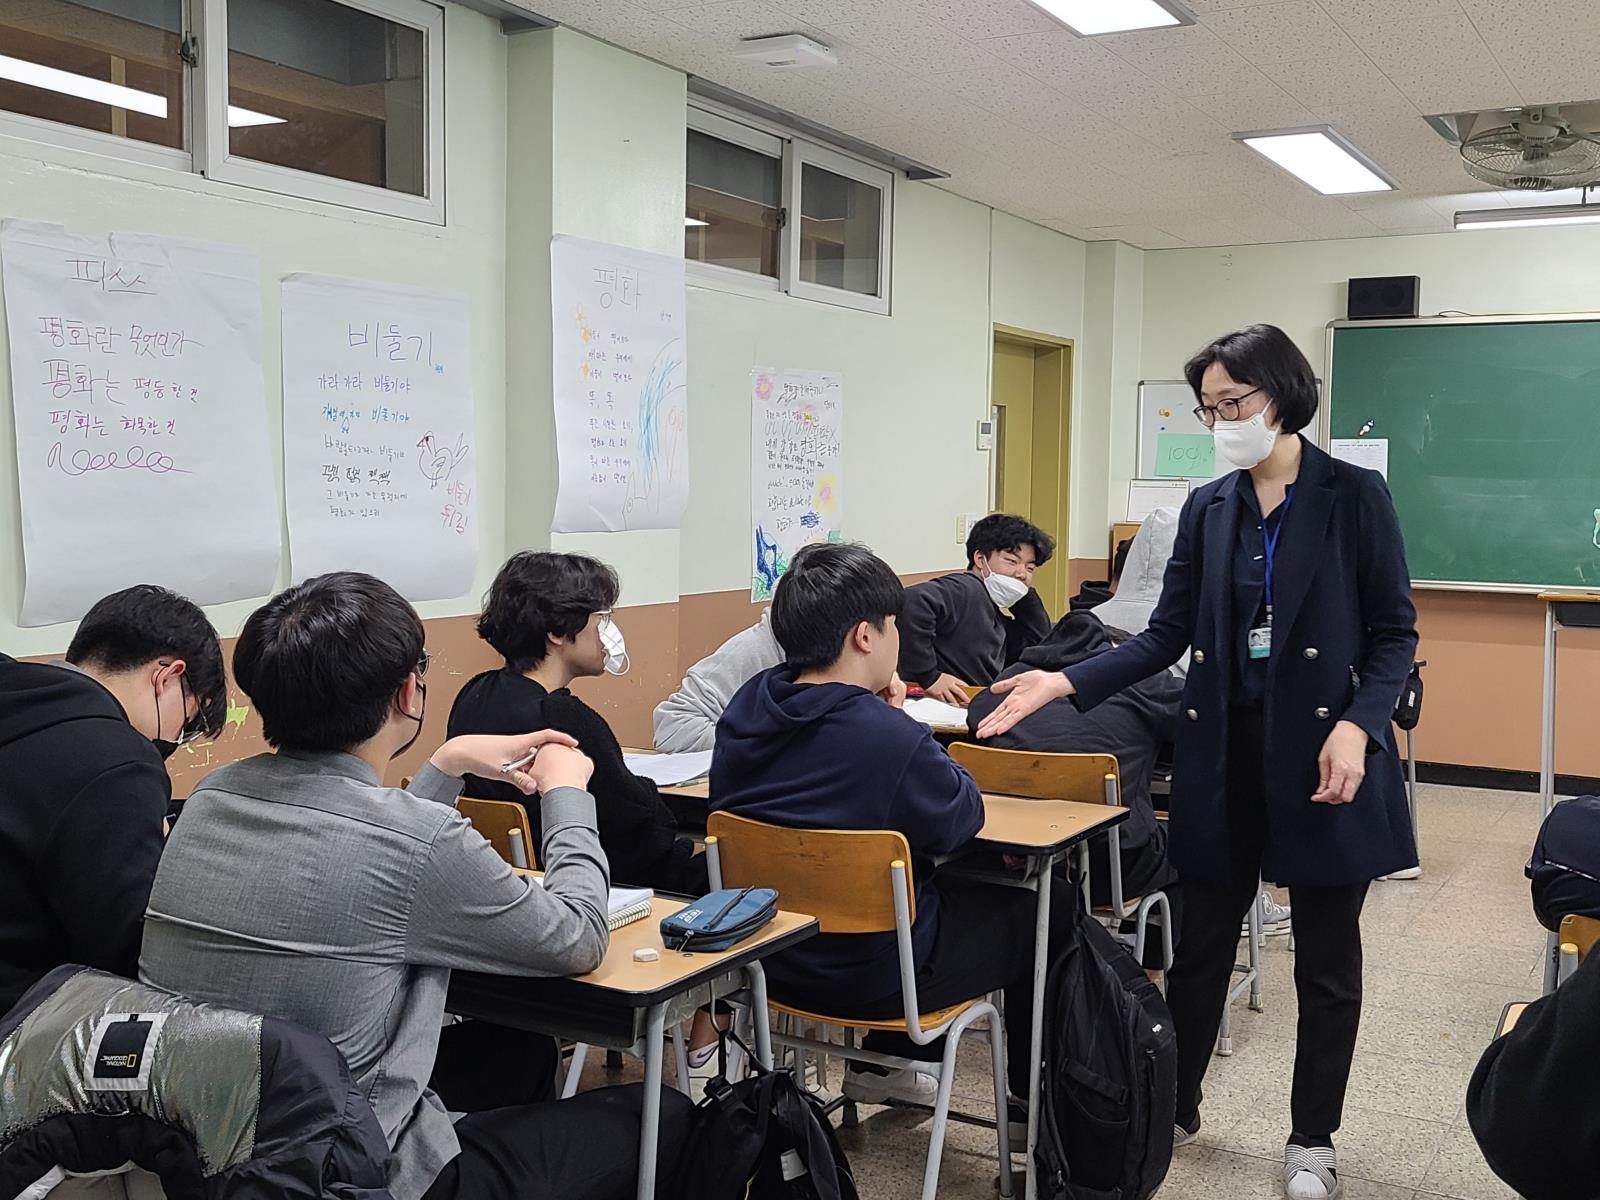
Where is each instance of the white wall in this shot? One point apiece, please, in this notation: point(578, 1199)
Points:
point(94, 195)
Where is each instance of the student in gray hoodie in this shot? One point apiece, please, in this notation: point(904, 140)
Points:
point(687, 719)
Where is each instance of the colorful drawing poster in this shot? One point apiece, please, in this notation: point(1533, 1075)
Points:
point(379, 445)
point(142, 453)
point(620, 387)
point(795, 426)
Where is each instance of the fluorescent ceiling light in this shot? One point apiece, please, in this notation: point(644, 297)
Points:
point(1092, 17)
point(32, 74)
point(1522, 218)
point(1319, 156)
point(694, 223)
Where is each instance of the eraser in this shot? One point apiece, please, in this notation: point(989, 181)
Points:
point(645, 954)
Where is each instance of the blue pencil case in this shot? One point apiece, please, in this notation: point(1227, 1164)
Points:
point(720, 919)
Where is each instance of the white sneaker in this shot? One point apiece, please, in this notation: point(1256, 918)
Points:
point(1310, 1173)
point(1275, 918)
point(1185, 1137)
point(701, 1073)
point(1408, 873)
point(899, 1083)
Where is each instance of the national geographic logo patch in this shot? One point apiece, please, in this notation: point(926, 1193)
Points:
point(122, 1050)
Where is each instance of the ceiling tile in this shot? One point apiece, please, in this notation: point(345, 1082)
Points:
point(1254, 102)
point(1549, 47)
point(926, 47)
point(1145, 237)
point(1192, 61)
point(1429, 49)
point(993, 18)
point(1280, 33)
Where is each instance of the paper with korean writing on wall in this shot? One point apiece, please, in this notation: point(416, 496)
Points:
point(142, 452)
point(1372, 453)
point(379, 444)
point(795, 475)
point(620, 387)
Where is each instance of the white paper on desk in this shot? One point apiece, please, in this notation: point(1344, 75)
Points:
point(669, 770)
point(1372, 453)
point(618, 900)
point(936, 712)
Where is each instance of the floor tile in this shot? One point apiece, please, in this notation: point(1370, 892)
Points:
point(1458, 1170)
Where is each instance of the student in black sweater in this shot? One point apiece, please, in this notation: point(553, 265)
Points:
point(83, 789)
point(549, 616)
point(953, 632)
point(820, 742)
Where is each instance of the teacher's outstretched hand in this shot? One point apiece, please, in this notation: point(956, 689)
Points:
point(1024, 694)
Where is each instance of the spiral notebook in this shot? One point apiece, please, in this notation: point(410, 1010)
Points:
point(624, 906)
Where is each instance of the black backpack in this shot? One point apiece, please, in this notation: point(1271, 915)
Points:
point(1109, 1088)
point(1565, 865)
point(742, 1133)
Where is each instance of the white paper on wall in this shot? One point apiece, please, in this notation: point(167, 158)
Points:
point(1372, 453)
point(620, 387)
point(795, 423)
point(379, 441)
point(142, 452)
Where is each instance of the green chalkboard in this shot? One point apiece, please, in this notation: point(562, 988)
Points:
point(1494, 443)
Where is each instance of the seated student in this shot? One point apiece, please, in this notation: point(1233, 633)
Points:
point(82, 787)
point(1137, 581)
point(820, 742)
point(687, 719)
point(1132, 725)
point(549, 616)
point(298, 886)
point(953, 632)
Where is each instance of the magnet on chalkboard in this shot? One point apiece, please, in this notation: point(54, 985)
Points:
point(1366, 428)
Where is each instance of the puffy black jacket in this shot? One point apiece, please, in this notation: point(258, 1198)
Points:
point(99, 1074)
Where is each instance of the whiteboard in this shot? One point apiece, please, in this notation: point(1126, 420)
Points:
point(620, 387)
point(1166, 420)
point(136, 386)
point(796, 424)
point(379, 441)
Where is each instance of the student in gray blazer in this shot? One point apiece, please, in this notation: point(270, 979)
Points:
point(298, 886)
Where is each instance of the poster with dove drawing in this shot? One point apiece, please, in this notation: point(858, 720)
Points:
point(378, 434)
point(795, 424)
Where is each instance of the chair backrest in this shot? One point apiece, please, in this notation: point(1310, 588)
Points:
point(497, 820)
point(842, 877)
point(1582, 932)
point(1087, 778)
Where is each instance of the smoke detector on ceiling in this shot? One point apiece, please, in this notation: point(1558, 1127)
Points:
point(786, 51)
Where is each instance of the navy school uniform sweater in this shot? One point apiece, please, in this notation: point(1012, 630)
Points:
point(950, 626)
point(835, 756)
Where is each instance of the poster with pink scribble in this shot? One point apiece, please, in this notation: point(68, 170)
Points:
point(795, 425)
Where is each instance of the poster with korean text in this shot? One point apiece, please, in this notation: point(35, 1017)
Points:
point(379, 446)
point(795, 426)
point(142, 452)
point(620, 387)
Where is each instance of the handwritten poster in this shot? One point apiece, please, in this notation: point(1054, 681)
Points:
point(795, 426)
point(379, 465)
point(136, 387)
point(621, 387)
point(1186, 456)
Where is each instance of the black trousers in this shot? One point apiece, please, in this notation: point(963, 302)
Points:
point(1327, 967)
point(517, 1144)
point(985, 944)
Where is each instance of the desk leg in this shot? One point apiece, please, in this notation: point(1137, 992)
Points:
point(1547, 727)
point(650, 1110)
point(1041, 960)
point(762, 1019)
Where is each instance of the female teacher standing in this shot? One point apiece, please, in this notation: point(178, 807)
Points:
point(1288, 579)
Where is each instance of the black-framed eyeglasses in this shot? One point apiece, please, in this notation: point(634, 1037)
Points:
point(1225, 410)
point(196, 727)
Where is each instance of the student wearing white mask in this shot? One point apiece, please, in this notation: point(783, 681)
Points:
point(962, 630)
point(1288, 579)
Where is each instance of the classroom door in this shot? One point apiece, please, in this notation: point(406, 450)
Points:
point(1031, 384)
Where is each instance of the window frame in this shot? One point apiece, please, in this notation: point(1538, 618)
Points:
point(215, 160)
point(794, 153)
point(206, 121)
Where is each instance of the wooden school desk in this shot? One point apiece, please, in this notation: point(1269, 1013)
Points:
point(1044, 832)
point(623, 1003)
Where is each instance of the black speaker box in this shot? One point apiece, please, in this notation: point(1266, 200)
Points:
point(1384, 297)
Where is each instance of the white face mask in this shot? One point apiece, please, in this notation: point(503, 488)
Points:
point(615, 647)
point(1003, 589)
point(1243, 444)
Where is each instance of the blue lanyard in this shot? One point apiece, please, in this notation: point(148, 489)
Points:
point(1269, 539)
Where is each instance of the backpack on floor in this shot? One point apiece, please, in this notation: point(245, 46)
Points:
point(1565, 864)
point(753, 1137)
point(1109, 1087)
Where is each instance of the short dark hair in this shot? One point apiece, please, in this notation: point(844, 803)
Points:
point(1005, 531)
point(539, 593)
point(322, 661)
point(143, 623)
point(829, 589)
point(1265, 357)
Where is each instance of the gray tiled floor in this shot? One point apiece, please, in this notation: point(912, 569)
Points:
point(1443, 955)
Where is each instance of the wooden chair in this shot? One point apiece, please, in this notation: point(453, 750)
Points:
point(1577, 937)
point(503, 823)
point(860, 882)
point(1089, 779)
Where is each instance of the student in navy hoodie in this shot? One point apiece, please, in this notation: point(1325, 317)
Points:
point(821, 742)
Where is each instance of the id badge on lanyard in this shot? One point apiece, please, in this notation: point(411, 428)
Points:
point(1258, 641)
